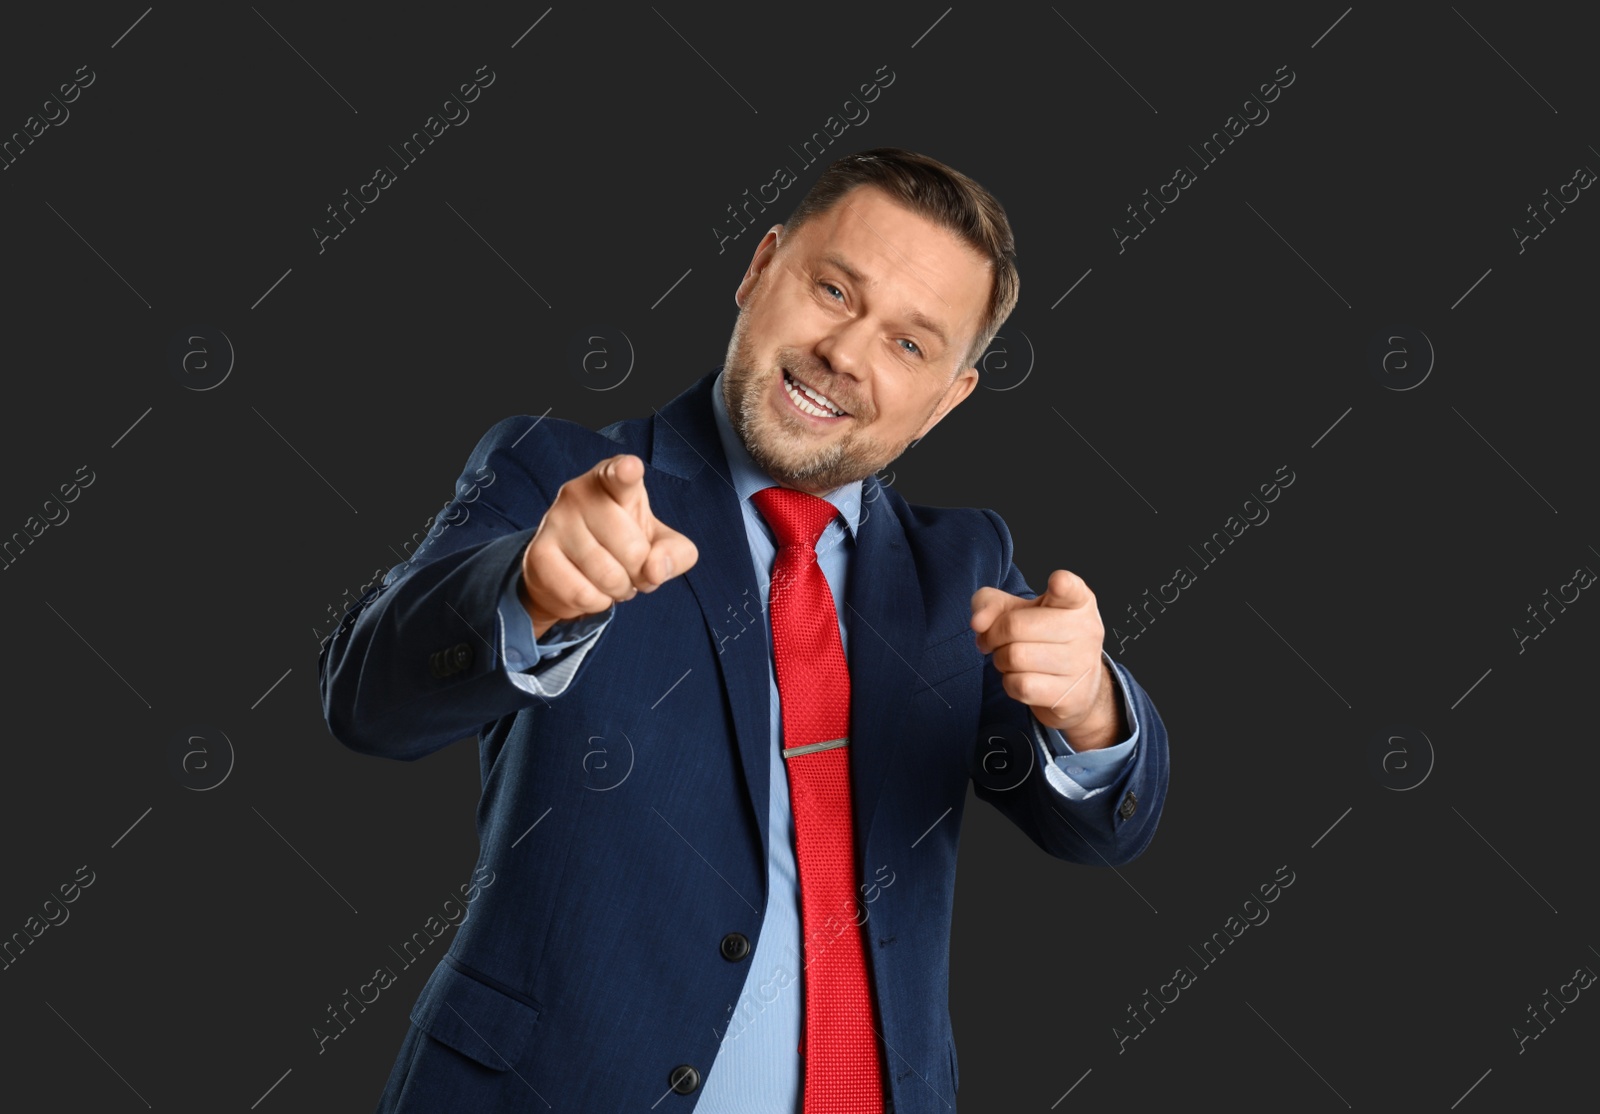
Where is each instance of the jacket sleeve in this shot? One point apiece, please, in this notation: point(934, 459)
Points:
point(417, 661)
point(1109, 827)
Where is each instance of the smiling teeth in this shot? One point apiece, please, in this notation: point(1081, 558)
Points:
point(808, 400)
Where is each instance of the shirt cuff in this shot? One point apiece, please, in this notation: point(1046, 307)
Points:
point(543, 666)
point(1080, 775)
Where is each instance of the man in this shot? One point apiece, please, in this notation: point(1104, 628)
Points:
point(789, 674)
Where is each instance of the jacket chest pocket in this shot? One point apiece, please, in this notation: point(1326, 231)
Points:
point(946, 658)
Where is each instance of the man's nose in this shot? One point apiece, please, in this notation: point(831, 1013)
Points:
point(845, 350)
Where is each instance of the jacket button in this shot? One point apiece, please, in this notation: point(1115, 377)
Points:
point(1130, 805)
point(447, 663)
point(735, 946)
point(684, 1079)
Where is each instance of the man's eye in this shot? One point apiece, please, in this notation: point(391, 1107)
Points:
point(913, 344)
point(832, 287)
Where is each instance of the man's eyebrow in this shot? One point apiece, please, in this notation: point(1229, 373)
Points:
point(915, 316)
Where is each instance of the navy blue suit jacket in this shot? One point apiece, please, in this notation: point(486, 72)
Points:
point(592, 967)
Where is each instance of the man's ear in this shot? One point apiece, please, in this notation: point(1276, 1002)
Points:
point(959, 389)
point(758, 263)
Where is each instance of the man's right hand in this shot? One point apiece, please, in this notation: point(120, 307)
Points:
point(599, 543)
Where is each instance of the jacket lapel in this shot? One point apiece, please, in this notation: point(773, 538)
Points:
point(887, 632)
point(691, 491)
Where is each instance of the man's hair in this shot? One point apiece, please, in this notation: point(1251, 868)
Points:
point(937, 193)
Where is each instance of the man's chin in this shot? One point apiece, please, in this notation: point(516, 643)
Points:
point(790, 472)
point(808, 476)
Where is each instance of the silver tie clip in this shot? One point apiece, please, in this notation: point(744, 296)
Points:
point(827, 744)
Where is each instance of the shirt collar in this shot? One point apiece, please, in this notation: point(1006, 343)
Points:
point(749, 479)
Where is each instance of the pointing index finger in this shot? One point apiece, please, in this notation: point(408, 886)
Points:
point(1066, 589)
point(622, 478)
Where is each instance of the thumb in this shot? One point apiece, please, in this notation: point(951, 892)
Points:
point(671, 553)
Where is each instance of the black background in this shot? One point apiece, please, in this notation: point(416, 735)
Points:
point(1389, 586)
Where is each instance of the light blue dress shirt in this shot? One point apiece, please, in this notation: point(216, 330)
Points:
point(758, 1067)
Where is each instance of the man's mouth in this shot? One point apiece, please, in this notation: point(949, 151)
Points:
point(809, 401)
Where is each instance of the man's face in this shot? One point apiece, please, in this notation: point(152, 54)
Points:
point(851, 305)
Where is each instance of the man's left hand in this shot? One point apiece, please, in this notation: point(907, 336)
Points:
point(1047, 650)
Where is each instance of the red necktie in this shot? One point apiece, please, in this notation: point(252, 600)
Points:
point(842, 1059)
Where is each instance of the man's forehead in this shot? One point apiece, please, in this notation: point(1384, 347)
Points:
point(873, 231)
